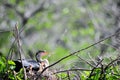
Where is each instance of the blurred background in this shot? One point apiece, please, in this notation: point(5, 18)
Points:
point(61, 27)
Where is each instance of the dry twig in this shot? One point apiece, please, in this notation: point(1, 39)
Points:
point(17, 36)
point(68, 75)
point(5, 31)
point(85, 61)
point(76, 69)
point(95, 68)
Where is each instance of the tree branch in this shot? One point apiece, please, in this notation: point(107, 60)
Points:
point(85, 61)
point(95, 68)
point(77, 69)
point(19, 48)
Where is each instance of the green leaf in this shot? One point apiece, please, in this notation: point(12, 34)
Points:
point(2, 66)
point(10, 62)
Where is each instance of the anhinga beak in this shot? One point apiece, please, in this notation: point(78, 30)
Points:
point(44, 53)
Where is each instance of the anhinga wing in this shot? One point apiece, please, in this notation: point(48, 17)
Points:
point(33, 63)
point(26, 63)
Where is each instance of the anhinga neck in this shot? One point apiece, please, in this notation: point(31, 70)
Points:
point(38, 58)
point(39, 54)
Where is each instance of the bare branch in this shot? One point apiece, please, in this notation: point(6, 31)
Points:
point(85, 61)
point(111, 63)
point(5, 31)
point(19, 48)
point(68, 75)
point(77, 69)
point(95, 68)
point(8, 5)
point(39, 9)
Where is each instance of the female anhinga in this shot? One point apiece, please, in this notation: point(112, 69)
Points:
point(34, 64)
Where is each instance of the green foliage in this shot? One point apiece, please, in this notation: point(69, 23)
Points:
point(7, 70)
point(2, 65)
point(96, 74)
point(111, 73)
point(11, 65)
point(76, 23)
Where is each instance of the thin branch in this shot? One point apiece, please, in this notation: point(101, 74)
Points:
point(95, 68)
point(5, 31)
point(25, 18)
point(10, 53)
point(20, 31)
point(92, 59)
point(102, 73)
point(10, 49)
point(39, 9)
point(85, 61)
point(68, 75)
point(8, 5)
point(111, 63)
point(19, 48)
point(77, 69)
point(107, 66)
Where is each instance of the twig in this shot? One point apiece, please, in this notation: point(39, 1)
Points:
point(114, 66)
point(95, 68)
point(5, 31)
point(68, 75)
point(92, 59)
point(111, 63)
point(76, 52)
point(10, 49)
point(107, 66)
point(85, 61)
point(77, 69)
point(21, 29)
point(19, 48)
point(9, 52)
point(39, 9)
point(102, 73)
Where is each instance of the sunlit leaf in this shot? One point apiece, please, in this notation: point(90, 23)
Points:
point(10, 62)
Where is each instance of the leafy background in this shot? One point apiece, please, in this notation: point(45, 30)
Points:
point(61, 27)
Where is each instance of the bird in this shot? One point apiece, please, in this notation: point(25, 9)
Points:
point(35, 64)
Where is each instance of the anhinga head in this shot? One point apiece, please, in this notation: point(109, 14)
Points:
point(39, 54)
